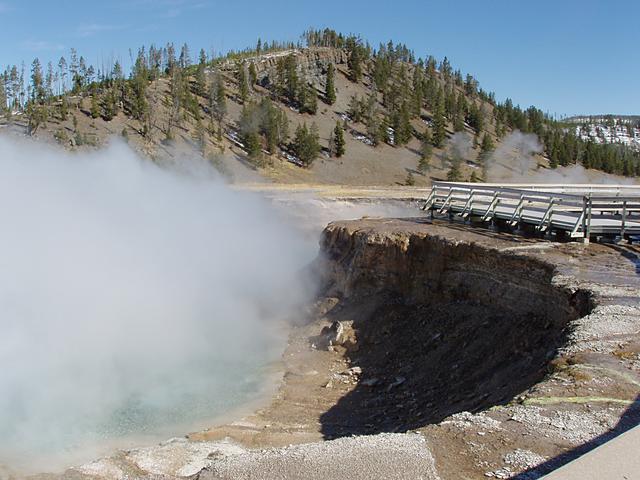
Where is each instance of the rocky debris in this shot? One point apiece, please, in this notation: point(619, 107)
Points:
point(465, 420)
point(332, 335)
point(523, 459)
point(576, 427)
point(504, 472)
point(323, 306)
point(393, 456)
point(600, 331)
point(175, 458)
point(353, 371)
point(517, 461)
point(339, 333)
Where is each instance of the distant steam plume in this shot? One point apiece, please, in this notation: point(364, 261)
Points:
point(517, 160)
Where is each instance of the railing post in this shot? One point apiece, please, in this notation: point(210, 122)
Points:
point(588, 230)
point(624, 219)
point(586, 219)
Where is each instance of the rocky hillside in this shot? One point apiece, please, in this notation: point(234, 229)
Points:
point(335, 111)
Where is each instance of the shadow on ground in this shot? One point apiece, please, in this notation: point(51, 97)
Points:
point(422, 363)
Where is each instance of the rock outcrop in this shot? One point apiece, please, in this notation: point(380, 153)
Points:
point(442, 324)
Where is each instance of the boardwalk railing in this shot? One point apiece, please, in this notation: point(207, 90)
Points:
point(578, 210)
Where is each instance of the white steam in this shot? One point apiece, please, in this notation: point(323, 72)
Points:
point(131, 297)
point(515, 158)
point(518, 159)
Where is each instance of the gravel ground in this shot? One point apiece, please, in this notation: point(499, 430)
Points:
point(389, 456)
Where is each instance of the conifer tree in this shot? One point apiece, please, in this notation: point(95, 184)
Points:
point(354, 63)
point(331, 87)
point(185, 57)
point(109, 106)
point(402, 126)
point(306, 143)
point(290, 84)
point(253, 74)
point(243, 89)
point(486, 149)
point(218, 101)
point(95, 106)
point(37, 81)
point(418, 90)
point(273, 124)
point(426, 151)
point(3, 96)
point(439, 121)
point(338, 140)
point(201, 80)
point(307, 98)
point(37, 116)
point(249, 131)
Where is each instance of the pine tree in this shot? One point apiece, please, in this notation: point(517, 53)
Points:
point(426, 151)
point(439, 122)
point(95, 106)
point(185, 57)
point(109, 106)
point(402, 126)
point(37, 115)
point(487, 144)
point(274, 124)
point(37, 82)
point(355, 109)
point(338, 140)
point(3, 96)
point(253, 74)
point(486, 149)
point(243, 89)
point(249, 132)
point(201, 80)
point(308, 99)
point(331, 88)
point(290, 80)
point(218, 101)
point(418, 90)
point(306, 143)
point(354, 63)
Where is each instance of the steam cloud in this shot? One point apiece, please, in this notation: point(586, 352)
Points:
point(131, 296)
point(515, 161)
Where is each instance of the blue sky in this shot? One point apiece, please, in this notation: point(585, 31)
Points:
point(564, 56)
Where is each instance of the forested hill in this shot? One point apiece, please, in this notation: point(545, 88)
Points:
point(329, 109)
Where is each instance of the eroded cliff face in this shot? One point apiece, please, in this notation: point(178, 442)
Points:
point(421, 268)
point(311, 63)
point(440, 325)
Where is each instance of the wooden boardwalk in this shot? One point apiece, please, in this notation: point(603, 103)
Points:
point(580, 211)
